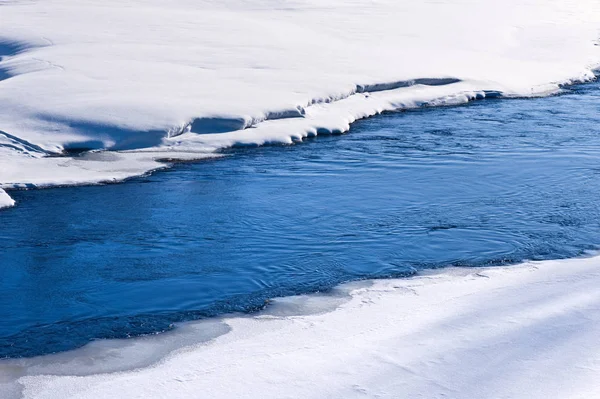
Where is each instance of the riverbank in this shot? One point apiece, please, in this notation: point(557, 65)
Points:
point(512, 332)
point(254, 74)
point(5, 200)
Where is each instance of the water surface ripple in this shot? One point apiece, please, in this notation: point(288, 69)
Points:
point(494, 182)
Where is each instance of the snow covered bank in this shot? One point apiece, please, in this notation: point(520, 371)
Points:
point(5, 200)
point(512, 332)
point(194, 76)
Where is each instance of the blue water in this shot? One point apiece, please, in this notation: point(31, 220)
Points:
point(494, 182)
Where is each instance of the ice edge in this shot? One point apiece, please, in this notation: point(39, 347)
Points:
point(5, 200)
point(193, 141)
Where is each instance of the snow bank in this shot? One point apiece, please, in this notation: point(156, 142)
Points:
point(512, 332)
point(5, 200)
point(195, 76)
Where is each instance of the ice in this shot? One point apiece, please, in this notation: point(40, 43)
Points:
point(528, 330)
point(108, 356)
point(191, 77)
point(89, 168)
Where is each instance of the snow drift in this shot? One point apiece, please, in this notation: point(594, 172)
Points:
point(183, 79)
point(511, 332)
point(5, 200)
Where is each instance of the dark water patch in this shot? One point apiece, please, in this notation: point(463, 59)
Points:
point(492, 183)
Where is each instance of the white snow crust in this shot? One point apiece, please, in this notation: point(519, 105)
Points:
point(184, 78)
point(526, 331)
point(5, 200)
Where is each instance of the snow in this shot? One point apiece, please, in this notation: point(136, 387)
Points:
point(191, 77)
point(509, 332)
point(151, 81)
point(5, 200)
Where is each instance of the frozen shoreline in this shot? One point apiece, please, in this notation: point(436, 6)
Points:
point(184, 80)
point(519, 331)
point(5, 200)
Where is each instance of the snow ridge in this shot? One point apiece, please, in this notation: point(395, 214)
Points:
point(203, 125)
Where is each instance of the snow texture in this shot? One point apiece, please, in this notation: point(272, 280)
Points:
point(5, 200)
point(185, 78)
point(526, 331)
